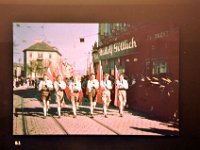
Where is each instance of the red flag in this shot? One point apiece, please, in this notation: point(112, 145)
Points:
point(50, 73)
point(116, 102)
point(91, 68)
point(99, 78)
point(61, 71)
point(80, 97)
point(67, 92)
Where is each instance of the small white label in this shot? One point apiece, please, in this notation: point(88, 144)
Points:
point(17, 143)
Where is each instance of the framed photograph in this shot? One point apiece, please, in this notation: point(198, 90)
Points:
point(99, 75)
point(101, 78)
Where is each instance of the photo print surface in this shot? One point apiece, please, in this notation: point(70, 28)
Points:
point(95, 79)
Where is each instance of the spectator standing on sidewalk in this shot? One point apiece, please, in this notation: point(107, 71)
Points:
point(59, 86)
point(92, 86)
point(75, 88)
point(14, 82)
point(106, 86)
point(45, 87)
point(122, 85)
point(33, 82)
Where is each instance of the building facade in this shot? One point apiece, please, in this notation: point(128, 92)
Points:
point(148, 55)
point(38, 57)
point(18, 70)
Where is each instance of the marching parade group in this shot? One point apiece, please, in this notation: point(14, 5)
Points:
point(75, 89)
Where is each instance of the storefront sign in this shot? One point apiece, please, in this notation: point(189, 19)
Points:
point(117, 48)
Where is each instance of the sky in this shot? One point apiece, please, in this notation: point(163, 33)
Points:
point(64, 36)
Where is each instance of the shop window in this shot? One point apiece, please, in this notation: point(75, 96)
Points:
point(122, 62)
point(112, 63)
point(107, 63)
point(148, 68)
point(159, 67)
point(156, 67)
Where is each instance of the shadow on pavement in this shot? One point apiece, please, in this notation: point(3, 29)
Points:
point(159, 131)
point(173, 123)
point(28, 93)
point(34, 93)
point(38, 111)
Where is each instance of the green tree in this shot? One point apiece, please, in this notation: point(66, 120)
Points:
point(36, 67)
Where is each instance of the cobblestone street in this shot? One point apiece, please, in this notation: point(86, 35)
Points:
point(28, 120)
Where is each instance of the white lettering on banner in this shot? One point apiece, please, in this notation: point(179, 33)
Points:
point(117, 47)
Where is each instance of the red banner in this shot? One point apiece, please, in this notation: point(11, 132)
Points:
point(67, 92)
point(61, 71)
point(99, 78)
point(80, 97)
point(50, 73)
point(116, 101)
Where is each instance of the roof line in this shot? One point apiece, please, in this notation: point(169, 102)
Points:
point(42, 51)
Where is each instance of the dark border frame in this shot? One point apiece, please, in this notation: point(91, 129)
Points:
point(186, 15)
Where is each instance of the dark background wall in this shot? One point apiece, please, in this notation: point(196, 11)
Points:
point(184, 13)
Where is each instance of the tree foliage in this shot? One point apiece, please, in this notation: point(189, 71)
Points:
point(36, 67)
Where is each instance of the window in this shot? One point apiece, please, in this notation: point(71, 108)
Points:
point(159, 67)
point(107, 30)
point(50, 56)
point(156, 67)
point(40, 56)
point(148, 67)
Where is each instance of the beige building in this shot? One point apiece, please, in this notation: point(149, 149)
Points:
point(38, 57)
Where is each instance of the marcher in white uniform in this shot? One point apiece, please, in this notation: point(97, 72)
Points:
point(92, 86)
point(75, 88)
point(45, 86)
point(106, 86)
point(59, 86)
point(122, 85)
